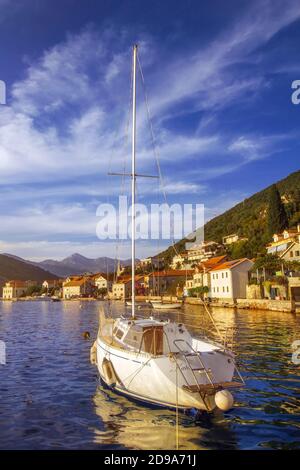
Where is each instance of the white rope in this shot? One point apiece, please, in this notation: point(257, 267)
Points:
point(123, 178)
point(155, 149)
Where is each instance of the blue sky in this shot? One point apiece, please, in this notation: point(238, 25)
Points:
point(218, 76)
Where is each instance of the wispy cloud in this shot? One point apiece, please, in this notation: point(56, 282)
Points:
point(260, 146)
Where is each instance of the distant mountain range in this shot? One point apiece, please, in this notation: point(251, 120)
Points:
point(12, 268)
point(74, 264)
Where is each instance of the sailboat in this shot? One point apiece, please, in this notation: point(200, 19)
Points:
point(159, 362)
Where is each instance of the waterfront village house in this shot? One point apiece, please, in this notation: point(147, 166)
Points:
point(150, 263)
point(201, 276)
point(160, 282)
point(157, 263)
point(286, 244)
point(203, 251)
point(78, 287)
point(177, 261)
point(144, 263)
point(52, 284)
point(102, 281)
point(229, 279)
point(233, 238)
point(294, 288)
point(180, 261)
point(15, 289)
point(121, 289)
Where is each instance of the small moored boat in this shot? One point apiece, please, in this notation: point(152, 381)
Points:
point(166, 305)
point(159, 362)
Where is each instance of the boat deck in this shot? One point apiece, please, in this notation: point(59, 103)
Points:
point(110, 341)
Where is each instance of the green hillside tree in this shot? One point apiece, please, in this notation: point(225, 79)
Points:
point(277, 218)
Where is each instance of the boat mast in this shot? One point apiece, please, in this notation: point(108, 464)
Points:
point(133, 176)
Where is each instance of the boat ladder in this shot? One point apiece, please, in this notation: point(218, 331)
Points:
point(196, 366)
point(189, 355)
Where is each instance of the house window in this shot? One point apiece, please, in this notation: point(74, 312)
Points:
point(291, 254)
point(227, 289)
point(226, 274)
point(217, 289)
point(297, 253)
point(223, 289)
point(222, 275)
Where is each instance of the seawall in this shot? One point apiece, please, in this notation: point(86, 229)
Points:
point(251, 304)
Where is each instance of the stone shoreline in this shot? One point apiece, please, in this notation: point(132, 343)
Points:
point(251, 304)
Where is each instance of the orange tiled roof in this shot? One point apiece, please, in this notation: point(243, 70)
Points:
point(75, 283)
point(17, 283)
point(213, 261)
point(125, 280)
point(75, 278)
point(95, 276)
point(228, 264)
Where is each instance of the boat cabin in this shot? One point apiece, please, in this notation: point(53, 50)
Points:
point(149, 336)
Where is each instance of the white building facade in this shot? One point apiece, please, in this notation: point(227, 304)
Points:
point(230, 279)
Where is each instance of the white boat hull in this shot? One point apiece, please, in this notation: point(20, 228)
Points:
point(158, 380)
point(166, 306)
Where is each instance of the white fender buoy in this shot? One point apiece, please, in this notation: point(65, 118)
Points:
point(93, 353)
point(109, 372)
point(224, 400)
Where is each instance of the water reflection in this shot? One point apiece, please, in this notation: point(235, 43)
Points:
point(140, 427)
point(51, 397)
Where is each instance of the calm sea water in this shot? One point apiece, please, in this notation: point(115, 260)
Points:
point(50, 396)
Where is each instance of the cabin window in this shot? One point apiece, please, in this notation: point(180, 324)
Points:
point(153, 340)
point(118, 333)
point(134, 337)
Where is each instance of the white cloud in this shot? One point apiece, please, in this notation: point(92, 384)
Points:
point(60, 77)
point(50, 221)
point(183, 187)
point(259, 146)
point(82, 75)
point(204, 74)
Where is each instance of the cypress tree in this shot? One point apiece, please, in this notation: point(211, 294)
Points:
point(277, 218)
